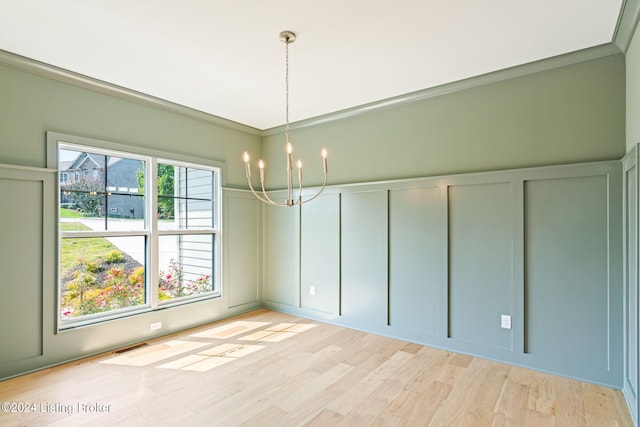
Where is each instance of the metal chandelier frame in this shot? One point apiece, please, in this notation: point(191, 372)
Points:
point(286, 37)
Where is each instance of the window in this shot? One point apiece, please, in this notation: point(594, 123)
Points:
point(140, 233)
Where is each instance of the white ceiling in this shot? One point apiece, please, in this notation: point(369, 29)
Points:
point(225, 58)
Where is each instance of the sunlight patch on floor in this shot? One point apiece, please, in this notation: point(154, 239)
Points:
point(278, 332)
point(154, 353)
point(200, 359)
point(230, 330)
point(212, 357)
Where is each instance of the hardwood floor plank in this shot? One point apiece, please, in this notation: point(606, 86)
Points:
point(270, 369)
point(570, 403)
point(313, 388)
point(542, 395)
point(513, 404)
point(325, 418)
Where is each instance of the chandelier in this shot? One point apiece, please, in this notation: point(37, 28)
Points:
point(286, 37)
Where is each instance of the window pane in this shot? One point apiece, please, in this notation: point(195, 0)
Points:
point(125, 212)
point(83, 201)
point(96, 186)
point(101, 274)
point(186, 266)
point(125, 176)
point(185, 198)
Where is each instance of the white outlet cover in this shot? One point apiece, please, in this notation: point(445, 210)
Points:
point(312, 290)
point(505, 321)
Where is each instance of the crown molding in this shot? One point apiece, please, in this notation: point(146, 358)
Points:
point(589, 54)
point(76, 79)
point(60, 74)
point(627, 23)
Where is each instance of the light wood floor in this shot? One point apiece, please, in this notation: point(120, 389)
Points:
point(270, 369)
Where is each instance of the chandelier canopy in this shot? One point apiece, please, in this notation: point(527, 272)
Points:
point(286, 37)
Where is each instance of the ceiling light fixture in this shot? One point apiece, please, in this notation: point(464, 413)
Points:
point(286, 37)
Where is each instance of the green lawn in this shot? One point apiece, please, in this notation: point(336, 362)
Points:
point(87, 248)
point(69, 213)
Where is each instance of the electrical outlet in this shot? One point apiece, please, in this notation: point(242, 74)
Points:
point(312, 290)
point(505, 321)
point(155, 326)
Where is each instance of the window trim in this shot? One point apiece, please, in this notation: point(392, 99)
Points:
point(57, 141)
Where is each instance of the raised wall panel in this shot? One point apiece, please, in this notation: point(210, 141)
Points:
point(320, 254)
point(630, 230)
point(566, 264)
point(414, 259)
point(21, 267)
point(241, 216)
point(364, 256)
point(480, 262)
point(282, 255)
point(632, 280)
point(540, 244)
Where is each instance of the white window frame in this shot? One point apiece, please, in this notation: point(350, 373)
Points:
point(56, 142)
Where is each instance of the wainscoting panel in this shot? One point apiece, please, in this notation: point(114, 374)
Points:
point(364, 256)
point(440, 260)
point(22, 265)
point(21, 271)
point(241, 246)
point(320, 254)
point(414, 259)
point(566, 264)
point(630, 232)
point(480, 262)
point(282, 253)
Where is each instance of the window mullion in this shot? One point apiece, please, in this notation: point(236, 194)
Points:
point(153, 250)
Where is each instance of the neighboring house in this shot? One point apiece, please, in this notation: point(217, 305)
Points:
point(114, 179)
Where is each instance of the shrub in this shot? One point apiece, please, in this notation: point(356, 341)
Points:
point(113, 257)
point(98, 288)
point(93, 266)
point(173, 284)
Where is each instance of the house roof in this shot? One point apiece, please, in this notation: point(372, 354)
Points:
point(96, 159)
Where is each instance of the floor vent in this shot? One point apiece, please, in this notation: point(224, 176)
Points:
point(133, 347)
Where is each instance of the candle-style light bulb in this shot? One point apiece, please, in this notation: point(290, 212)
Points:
point(289, 159)
point(324, 161)
point(261, 166)
point(247, 166)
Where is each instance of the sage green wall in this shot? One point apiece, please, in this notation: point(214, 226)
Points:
point(632, 354)
point(440, 260)
point(630, 211)
point(32, 104)
point(633, 92)
point(481, 226)
point(565, 115)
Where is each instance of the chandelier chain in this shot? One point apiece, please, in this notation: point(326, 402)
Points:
point(287, 130)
